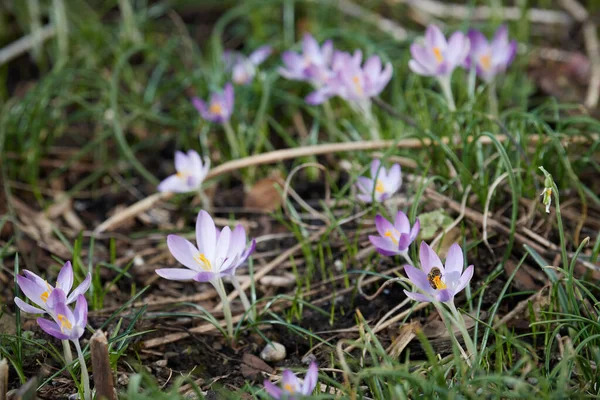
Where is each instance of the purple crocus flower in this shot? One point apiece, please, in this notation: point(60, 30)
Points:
point(243, 69)
point(312, 65)
point(218, 254)
point(190, 173)
point(490, 58)
point(67, 324)
point(220, 106)
point(395, 238)
point(291, 388)
point(351, 81)
point(436, 56)
point(435, 281)
point(39, 291)
point(382, 184)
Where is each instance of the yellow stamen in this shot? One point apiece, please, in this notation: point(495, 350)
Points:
point(215, 108)
point(44, 296)
point(439, 284)
point(486, 61)
point(203, 261)
point(180, 174)
point(379, 188)
point(64, 323)
point(438, 54)
point(391, 236)
point(548, 191)
point(288, 388)
point(357, 84)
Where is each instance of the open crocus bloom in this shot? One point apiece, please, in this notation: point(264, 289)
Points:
point(243, 69)
point(382, 184)
point(436, 56)
point(218, 254)
point(190, 173)
point(219, 107)
point(291, 388)
point(351, 81)
point(312, 65)
point(490, 58)
point(395, 238)
point(67, 324)
point(435, 281)
point(39, 291)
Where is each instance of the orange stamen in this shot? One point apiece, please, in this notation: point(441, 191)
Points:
point(438, 54)
point(203, 261)
point(439, 284)
point(486, 61)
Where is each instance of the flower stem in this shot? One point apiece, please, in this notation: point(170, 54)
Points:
point(85, 378)
point(493, 98)
point(67, 352)
point(231, 138)
point(449, 326)
point(447, 90)
point(226, 307)
point(463, 330)
point(471, 82)
point(247, 306)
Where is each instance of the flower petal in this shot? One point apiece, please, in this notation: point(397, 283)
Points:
point(183, 251)
point(454, 259)
point(429, 259)
point(434, 37)
point(464, 279)
point(222, 249)
point(402, 224)
point(445, 295)
point(310, 380)
point(272, 390)
point(206, 235)
point(27, 307)
point(32, 290)
point(383, 226)
point(259, 55)
point(81, 289)
point(418, 297)
point(415, 230)
point(177, 274)
point(375, 168)
point(81, 311)
point(418, 278)
point(290, 379)
point(173, 184)
point(65, 277)
point(205, 276)
point(51, 328)
point(384, 245)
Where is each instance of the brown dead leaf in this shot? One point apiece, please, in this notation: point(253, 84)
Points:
point(265, 194)
point(252, 366)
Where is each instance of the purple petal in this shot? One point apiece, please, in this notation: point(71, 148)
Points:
point(424, 57)
point(81, 289)
point(383, 225)
point(65, 277)
point(434, 37)
point(402, 224)
point(501, 35)
point(394, 177)
point(51, 328)
point(228, 97)
point(56, 298)
point(327, 51)
point(444, 295)
point(479, 43)
point(174, 184)
point(81, 311)
point(311, 378)
point(206, 235)
point(415, 230)
point(403, 242)
point(365, 198)
point(259, 55)
point(273, 390)
point(290, 379)
point(310, 47)
point(319, 96)
point(458, 49)
point(418, 296)
point(464, 279)
point(181, 162)
point(429, 258)
point(365, 185)
point(418, 278)
point(454, 259)
point(27, 307)
point(205, 276)
point(384, 245)
point(177, 274)
point(33, 291)
point(419, 69)
point(372, 66)
point(183, 251)
point(200, 105)
point(222, 249)
point(375, 168)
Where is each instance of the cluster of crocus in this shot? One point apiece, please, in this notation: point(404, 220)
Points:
point(291, 387)
point(242, 68)
point(217, 255)
point(190, 173)
point(381, 185)
point(66, 324)
point(438, 57)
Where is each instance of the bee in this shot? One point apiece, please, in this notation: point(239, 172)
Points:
point(435, 279)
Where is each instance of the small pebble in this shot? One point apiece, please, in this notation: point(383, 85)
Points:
point(123, 380)
point(161, 363)
point(307, 359)
point(273, 352)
